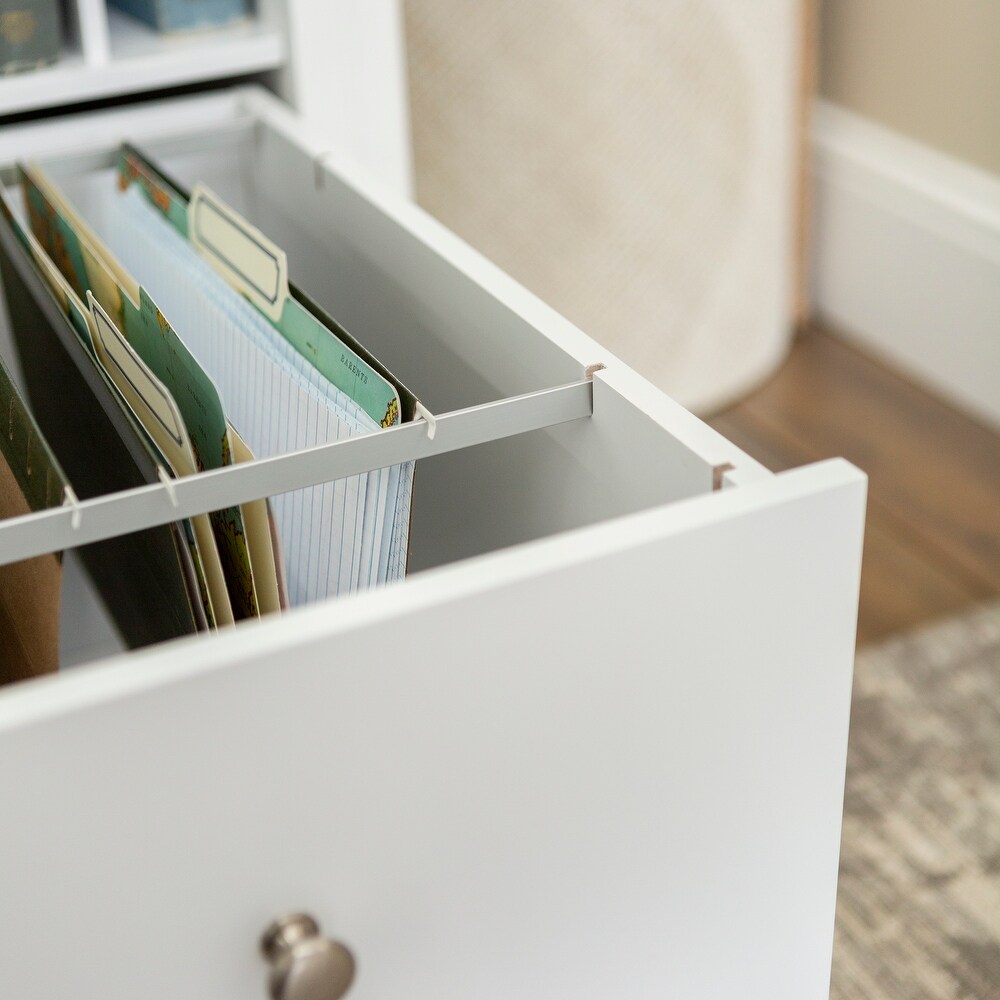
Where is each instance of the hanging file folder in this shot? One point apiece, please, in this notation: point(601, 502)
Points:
point(147, 579)
point(207, 364)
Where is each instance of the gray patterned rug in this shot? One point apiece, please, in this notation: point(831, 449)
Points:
point(918, 912)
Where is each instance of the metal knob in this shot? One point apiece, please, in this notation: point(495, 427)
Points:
point(305, 965)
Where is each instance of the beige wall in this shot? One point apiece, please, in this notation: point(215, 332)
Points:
point(927, 68)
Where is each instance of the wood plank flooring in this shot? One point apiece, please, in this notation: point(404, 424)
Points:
point(932, 543)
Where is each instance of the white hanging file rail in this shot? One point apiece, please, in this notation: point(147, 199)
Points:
point(83, 522)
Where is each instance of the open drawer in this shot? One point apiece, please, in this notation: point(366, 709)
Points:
point(592, 746)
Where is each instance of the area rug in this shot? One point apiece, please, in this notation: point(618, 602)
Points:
point(918, 913)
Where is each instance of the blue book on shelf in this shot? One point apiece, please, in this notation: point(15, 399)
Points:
point(184, 15)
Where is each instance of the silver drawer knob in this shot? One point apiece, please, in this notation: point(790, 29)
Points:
point(305, 965)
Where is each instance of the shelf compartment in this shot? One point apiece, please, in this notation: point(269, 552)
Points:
point(129, 58)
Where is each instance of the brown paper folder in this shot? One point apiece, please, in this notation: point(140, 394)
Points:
point(29, 600)
point(30, 480)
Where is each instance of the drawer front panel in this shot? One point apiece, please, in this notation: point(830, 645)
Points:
point(610, 764)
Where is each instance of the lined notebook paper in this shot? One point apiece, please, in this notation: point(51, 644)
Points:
point(336, 537)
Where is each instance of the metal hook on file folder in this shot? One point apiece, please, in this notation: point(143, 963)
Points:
point(70, 499)
point(428, 418)
point(168, 484)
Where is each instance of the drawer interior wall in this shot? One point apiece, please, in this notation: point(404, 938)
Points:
point(451, 338)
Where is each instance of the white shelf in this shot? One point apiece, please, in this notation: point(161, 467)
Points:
point(141, 59)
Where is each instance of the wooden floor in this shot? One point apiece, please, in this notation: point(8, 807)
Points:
point(932, 544)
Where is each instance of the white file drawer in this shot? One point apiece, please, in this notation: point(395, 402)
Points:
point(592, 747)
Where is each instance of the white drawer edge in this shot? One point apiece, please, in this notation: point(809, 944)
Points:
point(174, 662)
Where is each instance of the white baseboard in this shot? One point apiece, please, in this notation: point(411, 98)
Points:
point(906, 256)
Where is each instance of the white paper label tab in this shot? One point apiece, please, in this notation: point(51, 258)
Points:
point(240, 252)
point(143, 391)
